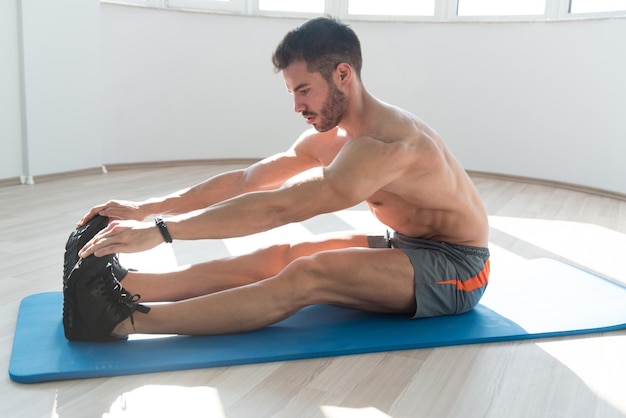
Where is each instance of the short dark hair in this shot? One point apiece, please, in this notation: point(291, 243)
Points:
point(323, 43)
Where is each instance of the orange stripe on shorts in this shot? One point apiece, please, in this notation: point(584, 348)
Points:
point(472, 283)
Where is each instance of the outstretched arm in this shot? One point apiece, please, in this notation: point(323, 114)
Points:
point(211, 190)
point(359, 170)
point(267, 174)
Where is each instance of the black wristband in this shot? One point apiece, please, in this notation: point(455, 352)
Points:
point(160, 223)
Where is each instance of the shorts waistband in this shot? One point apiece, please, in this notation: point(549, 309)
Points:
point(399, 240)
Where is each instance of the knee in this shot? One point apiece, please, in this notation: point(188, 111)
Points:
point(272, 259)
point(282, 255)
point(304, 274)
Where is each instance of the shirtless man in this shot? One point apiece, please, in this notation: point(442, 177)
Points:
point(435, 263)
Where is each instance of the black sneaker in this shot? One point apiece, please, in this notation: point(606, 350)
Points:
point(82, 236)
point(119, 271)
point(94, 302)
point(78, 239)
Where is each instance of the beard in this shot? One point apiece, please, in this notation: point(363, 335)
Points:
point(333, 110)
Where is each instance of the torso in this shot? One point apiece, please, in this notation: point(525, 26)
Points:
point(433, 198)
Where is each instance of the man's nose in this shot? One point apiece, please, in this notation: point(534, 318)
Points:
point(298, 107)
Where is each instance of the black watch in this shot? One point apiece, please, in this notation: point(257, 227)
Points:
point(160, 223)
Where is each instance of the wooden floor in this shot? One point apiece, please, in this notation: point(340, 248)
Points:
point(568, 377)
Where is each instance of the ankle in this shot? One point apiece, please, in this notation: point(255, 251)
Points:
point(124, 329)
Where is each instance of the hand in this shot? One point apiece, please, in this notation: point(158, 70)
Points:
point(123, 237)
point(115, 209)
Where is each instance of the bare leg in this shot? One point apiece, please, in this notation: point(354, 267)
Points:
point(217, 275)
point(368, 279)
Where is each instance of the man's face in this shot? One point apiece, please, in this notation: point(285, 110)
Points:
point(321, 103)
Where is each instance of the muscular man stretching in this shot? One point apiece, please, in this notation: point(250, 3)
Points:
point(435, 262)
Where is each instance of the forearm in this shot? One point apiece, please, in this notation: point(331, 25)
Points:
point(214, 190)
point(260, 211)
point(243, 215)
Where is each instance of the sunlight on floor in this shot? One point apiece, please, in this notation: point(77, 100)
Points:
point(168, 401)
point(589, 358)
point(157, 259)
point(341, 412)
point(589, 246)
point(174, 401)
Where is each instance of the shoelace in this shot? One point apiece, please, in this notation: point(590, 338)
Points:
point(116, 294)
point(133, 303)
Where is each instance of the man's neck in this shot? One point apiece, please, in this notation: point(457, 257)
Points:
point(359, 118)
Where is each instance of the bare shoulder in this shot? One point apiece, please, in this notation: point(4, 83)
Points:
point(427, 155)
point(406, 139)
point(321, 146)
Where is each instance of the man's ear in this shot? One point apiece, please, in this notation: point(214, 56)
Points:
point(343, 74)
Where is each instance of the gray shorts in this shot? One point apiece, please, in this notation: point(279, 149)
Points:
point(449, 279)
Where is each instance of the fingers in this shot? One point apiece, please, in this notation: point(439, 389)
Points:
point(113, 209)
point(102, 244)
point(122, 237)
point(86, 218)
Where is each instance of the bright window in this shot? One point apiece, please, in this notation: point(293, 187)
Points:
point(597, 6)
point(221, 5)
point(501, 7)
point(309, 6)
point(404, 10)
point(392, 7)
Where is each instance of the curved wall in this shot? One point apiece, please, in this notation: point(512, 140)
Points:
point(125, 84)
point(543, 99)
point(50, 87)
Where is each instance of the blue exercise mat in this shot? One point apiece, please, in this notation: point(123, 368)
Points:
point(544, 298)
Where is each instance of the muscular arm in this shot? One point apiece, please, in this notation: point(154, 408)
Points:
point(267, 174)
point(359, 170)
point(257, 211)
point(311, 149)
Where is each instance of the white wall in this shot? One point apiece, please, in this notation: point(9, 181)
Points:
point(10, 132)
point(61, 75)
point(63, 82)
point(180, 86)
point(543, 99)
point(112, 84)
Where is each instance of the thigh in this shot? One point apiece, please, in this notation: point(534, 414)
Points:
point(325, 242)
point(277, 257)
point(271, 260)
point(378, 280)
